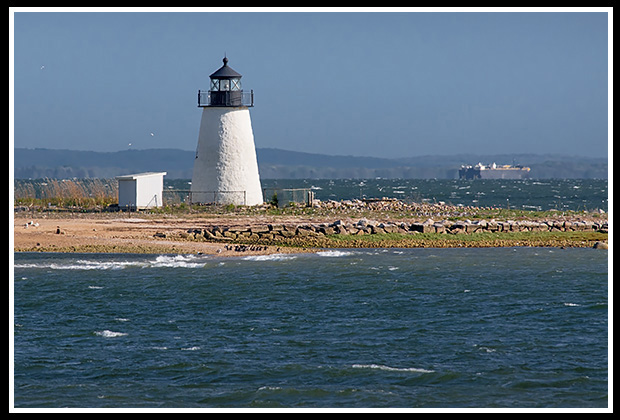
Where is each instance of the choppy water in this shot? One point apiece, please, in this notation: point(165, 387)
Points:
point(526, 194)
point(490, 327)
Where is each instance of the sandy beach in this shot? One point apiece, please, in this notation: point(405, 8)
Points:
point(115, 233)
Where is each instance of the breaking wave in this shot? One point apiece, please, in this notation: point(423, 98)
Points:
point(392, 369)
point(172, 261)
point(334, 253)
point(109, 334)
point(271, 257)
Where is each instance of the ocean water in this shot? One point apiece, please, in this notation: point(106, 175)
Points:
point(490, 327)
point(525, 194)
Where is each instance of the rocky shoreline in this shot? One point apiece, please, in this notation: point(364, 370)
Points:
point(444, 233)
point(271, 232)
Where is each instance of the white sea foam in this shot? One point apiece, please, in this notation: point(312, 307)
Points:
point(269, 388)
point(194, 348)
point(78, 265)
point(392, 369)
point(333, 253)
point(177, 261)
point(271, 257)
point(109, 334)
point(174, 261)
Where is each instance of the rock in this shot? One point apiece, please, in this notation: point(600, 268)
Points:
point(341, 230)
point(327, 230)
point(458, 227)
point(439, 227)
point(208, 235)
point(600, 245)
point(388, 227)
point(422, 227)
point(305, 231)
point(287, 233)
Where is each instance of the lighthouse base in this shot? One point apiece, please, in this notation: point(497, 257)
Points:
point(225, 168)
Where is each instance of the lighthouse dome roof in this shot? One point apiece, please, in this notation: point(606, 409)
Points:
point(225, 72)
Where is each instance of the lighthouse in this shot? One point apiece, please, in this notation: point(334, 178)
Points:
point(225, 168)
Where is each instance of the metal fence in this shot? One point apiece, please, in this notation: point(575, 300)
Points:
point(283, 196)
point(205, 197)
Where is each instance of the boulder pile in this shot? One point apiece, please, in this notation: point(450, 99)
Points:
point(274, 232)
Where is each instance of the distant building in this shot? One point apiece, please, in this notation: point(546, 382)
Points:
point(141, 191)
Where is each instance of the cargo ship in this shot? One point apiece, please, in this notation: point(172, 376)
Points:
point(493, 171)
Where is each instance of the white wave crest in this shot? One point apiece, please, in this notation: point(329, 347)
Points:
point(177, 261)
point(173, 261)
point(392, 369)
point(79, 265)
point(271, 257)
point(334, 253)
point(109, 334)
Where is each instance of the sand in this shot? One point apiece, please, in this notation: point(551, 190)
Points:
point(115, 233)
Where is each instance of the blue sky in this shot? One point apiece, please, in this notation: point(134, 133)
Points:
point(388, 84)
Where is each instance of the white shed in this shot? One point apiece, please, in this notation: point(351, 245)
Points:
point(141, 191)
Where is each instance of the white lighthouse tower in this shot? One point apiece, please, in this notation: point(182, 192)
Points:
point(225, 168)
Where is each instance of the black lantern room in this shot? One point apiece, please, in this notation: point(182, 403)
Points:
point(225, 89)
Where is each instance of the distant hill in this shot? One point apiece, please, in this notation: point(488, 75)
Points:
point(285, 164)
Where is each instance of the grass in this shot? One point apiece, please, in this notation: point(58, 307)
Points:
point(82, 193)
point(439, 240)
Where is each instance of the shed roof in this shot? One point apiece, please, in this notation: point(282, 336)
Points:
point(140, 175)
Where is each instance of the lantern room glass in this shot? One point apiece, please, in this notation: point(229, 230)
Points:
point(222, 85)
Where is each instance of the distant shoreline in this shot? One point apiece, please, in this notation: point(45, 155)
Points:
point(287, 164)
